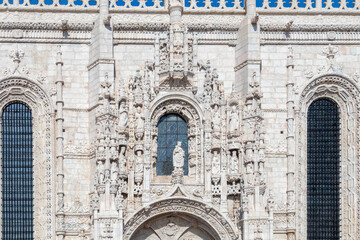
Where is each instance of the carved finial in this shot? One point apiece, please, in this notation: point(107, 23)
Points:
point(16, 55)
point(330, 51)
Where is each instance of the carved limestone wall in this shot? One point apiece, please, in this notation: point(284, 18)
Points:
point(345, 93)
point(21, 89)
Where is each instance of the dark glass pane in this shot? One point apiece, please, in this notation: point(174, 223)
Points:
point(17, 173)
point(323, 171)
point(171, 128)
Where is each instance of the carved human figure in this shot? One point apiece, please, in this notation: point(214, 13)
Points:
point(139, 163)
point(234, 119)
point(191, 144)
point(216, 121)
point(100, 171)
point(123, 115)
point(139, 120)
point(122, 159)
point(154, 148)
point(234, 163)
point(114, 172)
point(178, 157)
point(215, 163)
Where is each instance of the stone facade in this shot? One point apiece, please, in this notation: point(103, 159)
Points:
point(99, 75)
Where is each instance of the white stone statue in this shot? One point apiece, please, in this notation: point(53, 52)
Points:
point(216, 121)
point(178, 157)
point(139, 120)
point(234, 163)
point(139, 163)
point(123, 116)
point(234, 120)
point(122, 159)
point(215, 163)
point(154, 149)
point(114, 172)
point(100, 171)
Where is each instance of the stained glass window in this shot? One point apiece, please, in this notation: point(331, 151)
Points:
point(171, 129)
point(323, 171)
point(17, 173)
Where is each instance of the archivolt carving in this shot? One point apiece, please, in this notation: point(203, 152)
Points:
point(218, 223)
point(28, 92)
point(191, 113)
point(344, 92)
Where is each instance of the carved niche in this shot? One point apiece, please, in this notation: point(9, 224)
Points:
point(191, 116)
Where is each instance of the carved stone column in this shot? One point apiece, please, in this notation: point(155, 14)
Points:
point(290, 144)
point(59, 146)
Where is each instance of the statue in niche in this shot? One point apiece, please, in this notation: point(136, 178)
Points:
point(234, 120)
point(234, 163)
point(178, 157)
point(139, 120)
point(114, 172)
point(123, 116)
point(216, 121)
point(154, 149)
point(191, 144)
point(216, 163)
point(100, 171)
point(122, 159)
point(139, 163)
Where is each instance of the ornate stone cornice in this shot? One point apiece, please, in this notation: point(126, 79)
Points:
point(212, 27)
point(309, 28)
point(47, 26)
point(141, 26)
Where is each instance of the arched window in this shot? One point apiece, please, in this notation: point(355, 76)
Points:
point(323, 170)
point(17, 172)
point(171, 129)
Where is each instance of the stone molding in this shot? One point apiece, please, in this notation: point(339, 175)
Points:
point(16, 88)
point(222, 226)
point(345, 93)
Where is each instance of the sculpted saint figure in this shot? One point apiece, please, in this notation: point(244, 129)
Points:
point(139, 120)
point(234, 163)
point(101, 172)
point(216, 164)
point(216, 119)
point(123, 115)
point(114, 172)
point(122, 159)
point(139, 163)
point(234, 120)
point(178, 157)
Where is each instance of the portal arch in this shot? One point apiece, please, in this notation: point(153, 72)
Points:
point(188, 217)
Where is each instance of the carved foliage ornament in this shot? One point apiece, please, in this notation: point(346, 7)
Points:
point(28, 92)
point(221, 226)
point(346, 95)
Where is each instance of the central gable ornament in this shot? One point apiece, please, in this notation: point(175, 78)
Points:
point(176, 70)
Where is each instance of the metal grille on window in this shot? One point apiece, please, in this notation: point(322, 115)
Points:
point(323, 171)
point(17, 173)
point(171, 129)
